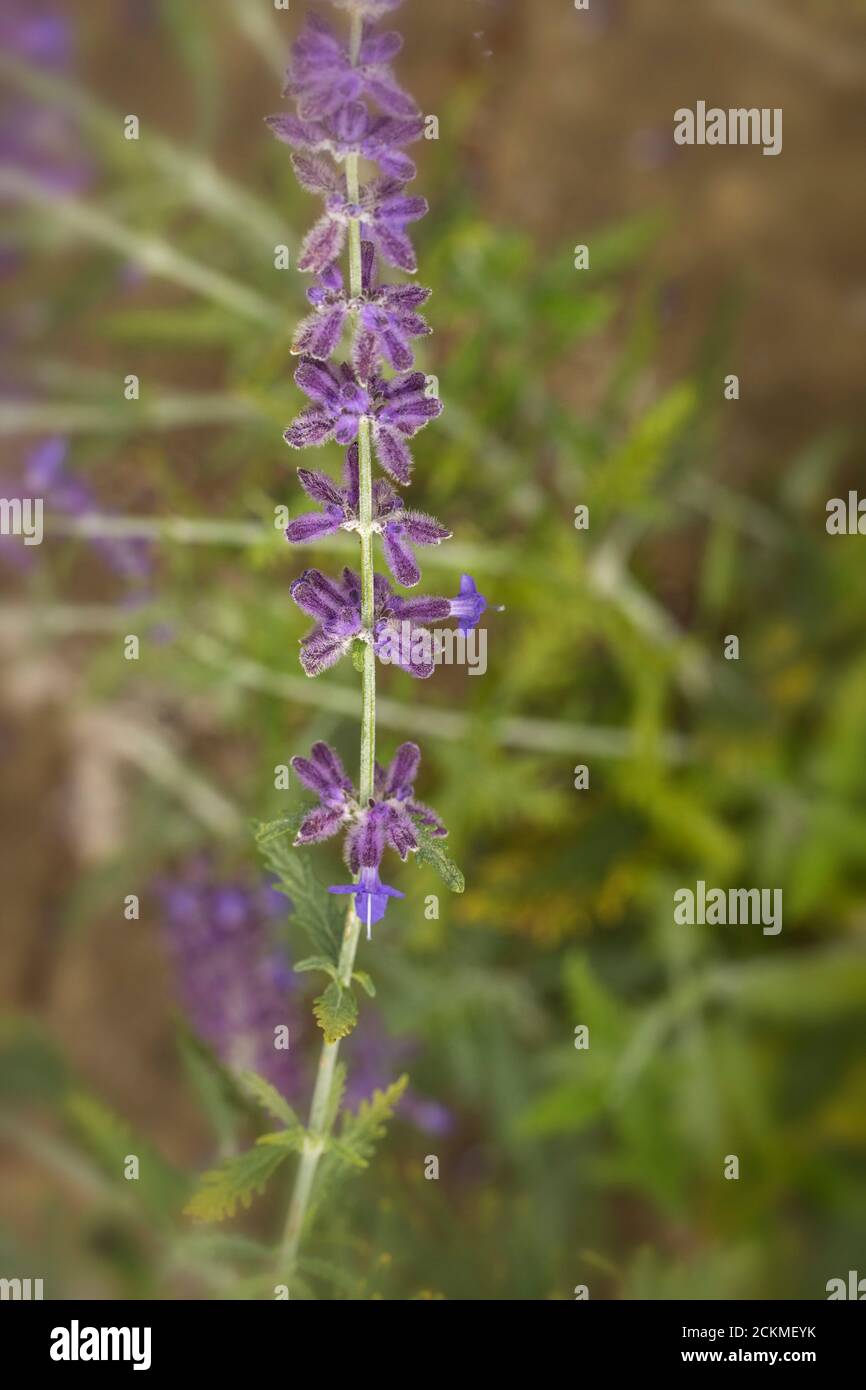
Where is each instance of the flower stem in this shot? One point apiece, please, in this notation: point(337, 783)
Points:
point(320, 1109)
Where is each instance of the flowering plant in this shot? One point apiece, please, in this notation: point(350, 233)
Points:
point(350, 108)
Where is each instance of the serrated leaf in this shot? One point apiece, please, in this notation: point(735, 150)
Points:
point(269, 1098)
point(362, 1131)
point(430, 851)
point(354, 1146)
point(365, 982)
point(292, 1140)
point(234, 1182)
point(346, 1153)
point(314, 908)
point(316, 963)
point(269, 830)
point(336, 1012)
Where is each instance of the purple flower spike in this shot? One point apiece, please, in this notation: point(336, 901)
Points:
point(397, 410)
point(349, 108)
point(232, 978)
point(353, 130)
point(385, 210)
point(403, 528)
point(397, 636)
point(387, 319)
point(469, 605)
point(371, 896)
point(339, 505)
point(323, 79)
point(324, 774)
point(388, 820)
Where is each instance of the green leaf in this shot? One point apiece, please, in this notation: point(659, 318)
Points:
point(292, 1140)
point(336, 1012)
point(354, 1146)
point(236, 1180)
point(362, 1131)
point(358, 656)
point(268, 831)
point(365, 982)
point(317, 963)
point(269, 1098)
point(31, 1067)
point(430, 851)
point(346, 1153)
point(314, 908)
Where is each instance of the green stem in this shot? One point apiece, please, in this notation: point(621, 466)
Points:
point(317, 1130)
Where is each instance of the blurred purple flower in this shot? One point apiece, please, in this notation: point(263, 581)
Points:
point(36, 137)
point(377, 1059)
point(354, 130)
point(323, 79)
point(35, 33)
point(232, 980)
point(47, 476)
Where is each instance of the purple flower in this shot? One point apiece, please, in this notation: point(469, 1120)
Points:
point(397, 410)
point(377, 1058)
point(233, 982)
point(339, 508)
point(36, 33)
point(38, 137)
point(387, 318)
point(385, 820)
point(396, 634)
point(388, 820)
point(371, 896)
point(323, 773)
point(469, 605)
point(354, 130)
point(322, 77)
point(383, 211)
point(47, 476)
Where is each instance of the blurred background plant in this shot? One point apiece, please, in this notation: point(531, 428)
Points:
point(156, 258)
